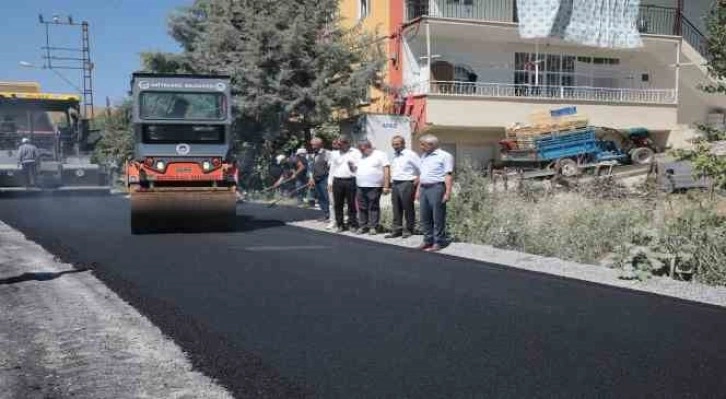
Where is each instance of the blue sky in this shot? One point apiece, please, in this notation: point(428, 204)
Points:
point(120, 30)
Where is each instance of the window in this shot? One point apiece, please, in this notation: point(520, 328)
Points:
point(191, 134)
point(364, 9)
point(553, 71)
point(176, 105)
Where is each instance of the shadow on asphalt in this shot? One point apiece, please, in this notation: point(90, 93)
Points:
point(242, 223)
point(38, 276)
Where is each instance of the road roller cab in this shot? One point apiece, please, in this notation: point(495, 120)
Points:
point(182, 173)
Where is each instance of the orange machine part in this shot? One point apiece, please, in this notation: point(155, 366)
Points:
point(180, 171)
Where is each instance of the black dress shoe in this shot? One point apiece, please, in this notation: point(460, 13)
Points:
point(406, 234)
point(392, 235)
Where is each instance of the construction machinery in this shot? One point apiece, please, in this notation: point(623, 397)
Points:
point(53, 123)
point(183, 174)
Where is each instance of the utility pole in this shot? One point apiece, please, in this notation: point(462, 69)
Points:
point(73, 58)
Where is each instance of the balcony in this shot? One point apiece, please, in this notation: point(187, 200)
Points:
point(573, 94)
point(654, 20)
point(493, 11)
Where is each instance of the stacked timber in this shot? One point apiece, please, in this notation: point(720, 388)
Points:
point(560, 120)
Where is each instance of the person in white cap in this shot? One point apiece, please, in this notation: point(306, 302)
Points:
point(28, 158)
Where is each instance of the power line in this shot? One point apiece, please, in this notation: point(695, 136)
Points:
point(64, 61)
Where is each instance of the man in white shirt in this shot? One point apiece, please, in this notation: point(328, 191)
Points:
point(344, 185)
point(405, 168)
point(335, 152)
point(372, 176)
point(434, 191)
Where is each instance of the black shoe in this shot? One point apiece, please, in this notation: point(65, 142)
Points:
point(393, 235)
point(406, 234)
point(364, 230)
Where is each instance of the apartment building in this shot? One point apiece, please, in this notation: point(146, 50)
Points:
point(460, 70)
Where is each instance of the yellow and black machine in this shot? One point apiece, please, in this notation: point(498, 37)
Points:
point(52, 122)
point(183, 174)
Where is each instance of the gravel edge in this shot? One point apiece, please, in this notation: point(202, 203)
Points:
point(689, 291)
point(71, 336)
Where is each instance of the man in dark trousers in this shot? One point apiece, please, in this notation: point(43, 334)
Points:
point(319, 176)
point(344, 186)
point(28, 158)
point(405, 169)
point(434, 191)
point(372, 178)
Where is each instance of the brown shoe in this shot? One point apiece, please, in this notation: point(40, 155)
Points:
point(433, 248)
point(424, 246)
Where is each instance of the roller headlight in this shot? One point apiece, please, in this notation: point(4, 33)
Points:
point(206, 165)
point(160, 165)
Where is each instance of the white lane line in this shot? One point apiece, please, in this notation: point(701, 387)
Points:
point(286, 248)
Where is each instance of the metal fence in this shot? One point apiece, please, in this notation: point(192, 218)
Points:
point(568, 93)
point(488, 10)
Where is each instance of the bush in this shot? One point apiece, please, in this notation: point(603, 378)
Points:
point(600, 222)
point(566, 225)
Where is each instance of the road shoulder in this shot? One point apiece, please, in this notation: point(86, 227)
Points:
point(689, 291)
point(63, 333)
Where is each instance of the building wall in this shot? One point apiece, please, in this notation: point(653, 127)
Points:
point(378, 21)
point(494, 113)
point(477, 147)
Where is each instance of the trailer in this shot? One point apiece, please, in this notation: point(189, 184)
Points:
point(572, 151)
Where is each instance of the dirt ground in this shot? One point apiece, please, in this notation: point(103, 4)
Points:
point(64, 334)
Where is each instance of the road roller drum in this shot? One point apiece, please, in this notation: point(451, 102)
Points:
point(180, 210)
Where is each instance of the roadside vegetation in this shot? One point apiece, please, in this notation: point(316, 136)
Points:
point(635, 229)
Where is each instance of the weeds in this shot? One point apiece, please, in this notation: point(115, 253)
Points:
point(600, 222)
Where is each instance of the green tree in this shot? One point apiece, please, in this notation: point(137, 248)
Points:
point(706, 161)
point(293, 65)
point(116, 143)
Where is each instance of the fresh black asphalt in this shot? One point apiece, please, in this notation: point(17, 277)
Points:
point(277, 311)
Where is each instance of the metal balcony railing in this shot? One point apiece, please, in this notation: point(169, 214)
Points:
point(567, 93)
point(494, 10)
point(655, 20)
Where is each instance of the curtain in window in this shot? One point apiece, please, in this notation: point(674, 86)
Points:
point(597, 23)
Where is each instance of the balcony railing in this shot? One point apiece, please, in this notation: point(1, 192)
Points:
point(567, 93)
point(656, 20)
point(494, 10)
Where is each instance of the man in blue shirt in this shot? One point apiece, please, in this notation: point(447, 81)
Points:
point(434, 191)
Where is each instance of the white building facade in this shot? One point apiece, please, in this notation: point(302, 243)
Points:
point(467, 74)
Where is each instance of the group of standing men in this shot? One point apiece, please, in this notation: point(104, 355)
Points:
point(358, 177)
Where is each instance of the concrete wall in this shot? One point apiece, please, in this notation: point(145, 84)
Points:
point(477, 112)
point(476, 146)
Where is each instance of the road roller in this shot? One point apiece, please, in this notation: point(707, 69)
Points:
point(182, 175)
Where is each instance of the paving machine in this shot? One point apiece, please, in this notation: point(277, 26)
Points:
point(182, 174)
point(53, 123)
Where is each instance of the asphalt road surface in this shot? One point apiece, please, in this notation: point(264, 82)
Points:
point(278, 311)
